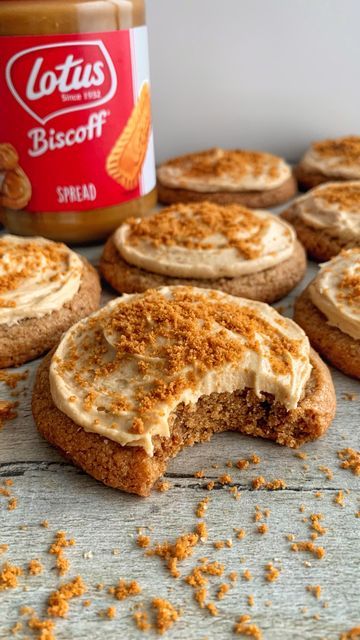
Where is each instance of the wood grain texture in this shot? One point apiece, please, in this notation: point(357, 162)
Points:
point(102, 519)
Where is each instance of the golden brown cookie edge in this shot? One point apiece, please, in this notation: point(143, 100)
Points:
point(341, 350)
point(252, 199)
point(268, 286)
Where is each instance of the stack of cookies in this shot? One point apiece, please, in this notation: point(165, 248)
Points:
point(192, 346)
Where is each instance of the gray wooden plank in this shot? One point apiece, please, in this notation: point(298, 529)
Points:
point(102, 519)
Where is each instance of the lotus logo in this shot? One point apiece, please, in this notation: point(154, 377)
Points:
point(55, 79)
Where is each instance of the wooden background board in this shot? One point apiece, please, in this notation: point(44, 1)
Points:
point(104, 522)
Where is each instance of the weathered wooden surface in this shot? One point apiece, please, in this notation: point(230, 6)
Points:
point(103, 520)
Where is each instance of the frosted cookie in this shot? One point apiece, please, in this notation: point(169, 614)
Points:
point(329, 311)
point(44, 289)
point(252, 178)
point(149, 374)
point(248, 253)
point(329, 160)
point(327, 218)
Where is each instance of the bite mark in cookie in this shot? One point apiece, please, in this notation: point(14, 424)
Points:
point(137, 372)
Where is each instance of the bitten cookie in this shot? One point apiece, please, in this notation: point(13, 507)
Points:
point(251, 178)
point(329, 160)
point(200, 362)
point(329, 311)
point(327, 218)
point(253, 254)
point(44, 289)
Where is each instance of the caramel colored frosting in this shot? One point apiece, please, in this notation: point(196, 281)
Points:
point(205, 240)
point(338, 158)
point(37, 276)
point(333, 207)
point(222, 170)
point(336, 292)
point(123, 371)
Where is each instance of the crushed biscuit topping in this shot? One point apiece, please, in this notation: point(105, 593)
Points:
point(346, 196)
point(205, 241)
point(347, 149)
point(234, 163)
point(194, 226)
point(37, 276)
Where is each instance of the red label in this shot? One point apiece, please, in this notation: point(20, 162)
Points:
point(75, 115)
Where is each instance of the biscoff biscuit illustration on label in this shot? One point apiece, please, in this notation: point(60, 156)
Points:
point(125, 161)
point(15, 186)
point(9, 158)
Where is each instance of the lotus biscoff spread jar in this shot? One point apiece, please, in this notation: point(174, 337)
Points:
point(76, 144)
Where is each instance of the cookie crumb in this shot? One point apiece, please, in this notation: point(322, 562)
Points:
point(143, 541)
point(166, 615)
point(263, 528)
point(241, 533)
point(59, 600)
point(57, 549)
point(225, 479)
point(350, 460)
point(9, 576)
point(201, 530)
point(163, 485)
point(222, 590)
point(243, 627)
point(212, 608)
point(327, 471)
point(340, 498)
point(272, 573)
point(310, 547)
point(202, 507)
point(315, 590)
point(247, 575)
point(7, 412)
point(124, 590)
point(12, 504)
point(141, 620)
point(242, 464)
point(45, 628)
point(35, 567)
